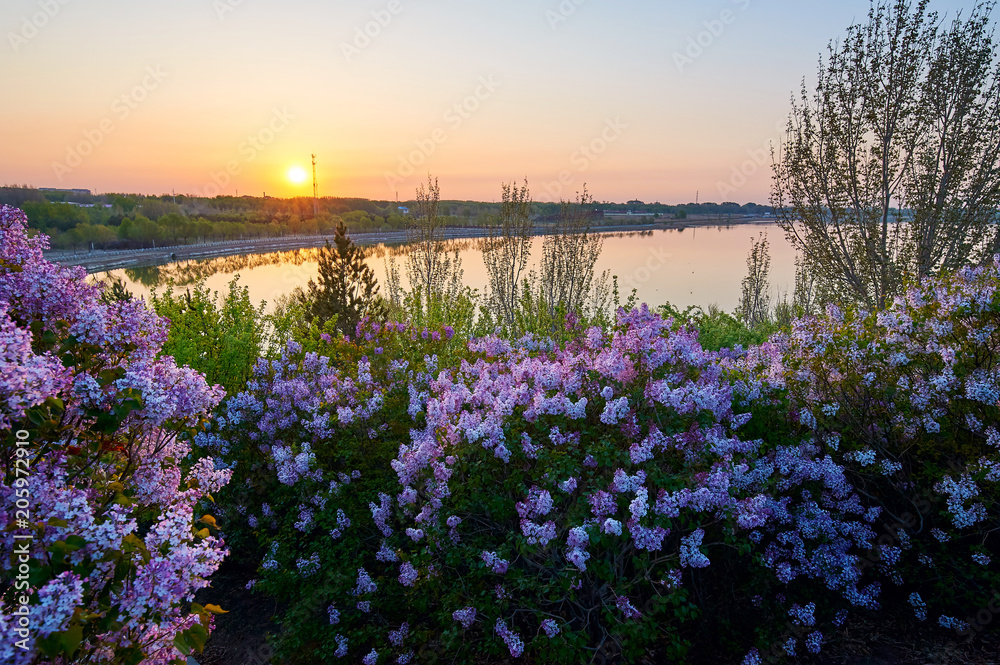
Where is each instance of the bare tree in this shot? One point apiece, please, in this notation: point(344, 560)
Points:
point(755, 303)
point(506, 250)
point(393, 288)
point(431, 270)
point(569, 255)
point(953, 184)
point(890, 170)
point(804, 296)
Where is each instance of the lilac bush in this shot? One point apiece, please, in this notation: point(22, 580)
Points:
point(107, 537)
point(409, 495)
point(522, 497)
point(908, 402)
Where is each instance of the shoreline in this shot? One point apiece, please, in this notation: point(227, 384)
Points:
point(98, 261)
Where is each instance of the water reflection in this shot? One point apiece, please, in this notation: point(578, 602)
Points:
point(699, 265)
point(184, 273)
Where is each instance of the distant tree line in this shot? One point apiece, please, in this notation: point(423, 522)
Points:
point(115, 221)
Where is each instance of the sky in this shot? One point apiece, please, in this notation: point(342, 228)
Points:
point(664, 100)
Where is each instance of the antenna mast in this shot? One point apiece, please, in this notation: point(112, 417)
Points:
point(315, 189)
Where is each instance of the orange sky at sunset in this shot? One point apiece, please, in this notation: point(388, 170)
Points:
point(220, 96)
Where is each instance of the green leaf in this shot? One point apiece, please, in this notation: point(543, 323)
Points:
point(132, 656)
point(180, 642)
point(71, 639)
point(199, 634)
point(63, 643)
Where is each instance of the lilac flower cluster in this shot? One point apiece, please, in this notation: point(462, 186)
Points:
point(510, 638)
point(59, 341)
point(567, 446)
point(495, 563)
point(465, 616)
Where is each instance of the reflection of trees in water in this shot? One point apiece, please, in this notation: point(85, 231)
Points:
point(190, 272)
point(193, 271)
point(401, 249)
point(148, 276)
point(625, 234)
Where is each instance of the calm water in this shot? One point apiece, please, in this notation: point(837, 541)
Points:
point(693, 266)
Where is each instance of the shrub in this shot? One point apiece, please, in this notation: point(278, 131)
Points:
point(556, 501)
point(220, 340)
point(106, 549)
point(908, 401)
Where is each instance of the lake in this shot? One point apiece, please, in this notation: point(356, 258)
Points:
point(698, 265)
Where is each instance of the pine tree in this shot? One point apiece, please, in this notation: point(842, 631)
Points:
point(347, 287)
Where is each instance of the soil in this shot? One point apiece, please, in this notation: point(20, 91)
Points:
point(892, 643)
point(240, 635)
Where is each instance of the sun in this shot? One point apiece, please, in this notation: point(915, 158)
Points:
point(297, 175)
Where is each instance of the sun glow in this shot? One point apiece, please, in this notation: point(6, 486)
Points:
point(297, 175)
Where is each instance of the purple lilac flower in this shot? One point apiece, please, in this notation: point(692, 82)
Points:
point(465, 616)
point(407, 574)
point(512, 639)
